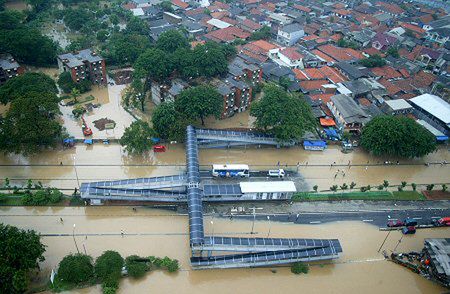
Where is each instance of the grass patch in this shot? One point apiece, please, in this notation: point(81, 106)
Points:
point(370, 195)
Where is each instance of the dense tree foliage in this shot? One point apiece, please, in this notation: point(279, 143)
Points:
point(137, 137)
point(67, 84)
point(137, 26)
point(168, 122)
point(135, 95)
point(136, 266)
point(42, 197)
point(108, 268)
point(393, 51)
point(397, 136)
point(30, 123)
point(25, 43)
point(262, 33)
point(199, 102)
point(23, 84)
point(76, 269)
point(373, 61)
point(282, 114)
point(153, 64)
point(125, 48)
point(20, 251)
point(172, 40)
point(347, 44)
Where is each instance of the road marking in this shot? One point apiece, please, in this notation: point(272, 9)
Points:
point(417, 218)
point(315, 222)
point(435, 217)
point(393, 219)
point(367, 220)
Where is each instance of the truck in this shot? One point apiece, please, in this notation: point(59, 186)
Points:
point(442, 222)
point(276, 173)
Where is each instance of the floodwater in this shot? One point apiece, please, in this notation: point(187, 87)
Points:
point(109, 98)
point(360, 269)
point(107, 162)
point(16, 5)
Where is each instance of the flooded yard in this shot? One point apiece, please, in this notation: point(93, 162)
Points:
point(361, 269)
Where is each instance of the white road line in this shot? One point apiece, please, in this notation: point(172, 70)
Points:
point(315, 222)
point(367, 220)
point(417, 218)
point(436, 217)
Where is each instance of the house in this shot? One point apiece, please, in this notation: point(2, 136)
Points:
point(362, 38)
point(249, 25)
point(288, 56)
point(288, 35)
point(347, 113)
point(257, 50)
point(397, 107)
point(83, 65)
point(241, 69)
point(145, 3)
point(439, 35)
point(340, 54)
point(433, 110)
point(227, 35)
point(383, 41)
point(351, 71)
point(279, 19)
point(9, 68)
point(236, 95)
point(193, 29)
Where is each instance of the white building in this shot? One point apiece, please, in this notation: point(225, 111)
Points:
point(290, 34)
point(267, 190)
point(288, 57)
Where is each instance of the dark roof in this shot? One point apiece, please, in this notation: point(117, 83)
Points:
point(352, 71)
point(291, 28)
point(349, 109)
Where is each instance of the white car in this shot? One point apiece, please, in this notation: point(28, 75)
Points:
point(279, 173)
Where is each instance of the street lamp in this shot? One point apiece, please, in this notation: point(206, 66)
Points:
point(268, 233)
point(74, 241)
point(76, 172)
point(212, 233)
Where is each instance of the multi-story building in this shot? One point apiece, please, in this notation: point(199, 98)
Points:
point(9, 68)
point(290, 34)
point(236, 94)
point(83, 65)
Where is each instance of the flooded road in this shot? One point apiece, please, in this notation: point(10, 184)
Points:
point(360, 269)
point(108, 162)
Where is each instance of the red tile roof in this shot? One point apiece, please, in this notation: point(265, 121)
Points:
point(391, 88)
point(292, 53)
point(336, 37)
point(302, 8)
point(180, 4)
point(415, 29)
point(332, 74)
point(129, 6)
point(310, 37)
point(342, 12)
point(221, 5)
point(387, 72)
point(312, 85)
point(391, 8)
point(263, 45)
point(340, 54)
point(323, 55)
point(364, 101)
point(219, 14)
point(371, 51)
point(250, 1)
point(227, 34)
point(325, 97)
point(423, 79)
point(404, 72)
point(327, 122)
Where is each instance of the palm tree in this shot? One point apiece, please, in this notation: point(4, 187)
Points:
point(385, 184)
point(75, 93)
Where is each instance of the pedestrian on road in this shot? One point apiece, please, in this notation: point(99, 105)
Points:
point(367, 167)
point(335, 176)
point(278, 164)
point(306, 163)
point(121, 233)
point(134, 209)
point(61, 220)
point(60, 163)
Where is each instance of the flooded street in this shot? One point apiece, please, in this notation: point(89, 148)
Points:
point(107, 162)
point(360, 269)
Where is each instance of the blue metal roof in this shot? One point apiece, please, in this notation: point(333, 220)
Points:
point(314, 143)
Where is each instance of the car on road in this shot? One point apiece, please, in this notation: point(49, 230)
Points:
point(409, 222)
point(442, 222)
point(278, 173)
point(395, 223)
point(409, 230)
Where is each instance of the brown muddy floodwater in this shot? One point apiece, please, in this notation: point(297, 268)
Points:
point(361, 269)
point(107, 162)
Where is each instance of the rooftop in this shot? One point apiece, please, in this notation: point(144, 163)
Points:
point(8, 62)
point(434, 105)
point(267, 187)
point(398, 104)
point(77, 58)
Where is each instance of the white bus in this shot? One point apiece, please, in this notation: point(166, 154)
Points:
point(230, 170)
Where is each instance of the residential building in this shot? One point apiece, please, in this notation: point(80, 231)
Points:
point(236, 95)
point(433, 110)
point(9, 68)
point(288, 35)
point(288, 57)
point(83, 65)
point(383, 41)
point(347, 113)
point(397, 107)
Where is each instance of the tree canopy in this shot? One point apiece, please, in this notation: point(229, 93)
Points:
point(153, 63)
point(397, 136)
point(108, 267)
point(76, 269)
point(373, 61)
point(20, 251)
point(23, 84)
point(282, 114)
point(172, 40)
point(125, 48)
point(67, 84)
point(262, 33)
point(199, 102)
point(168, 122)
point(137, 137)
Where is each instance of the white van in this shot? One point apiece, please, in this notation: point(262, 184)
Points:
point(278, 173)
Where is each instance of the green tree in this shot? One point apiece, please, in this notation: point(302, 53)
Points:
point(76, 269)
point(284, 115)
point(20, 252)
point(102, 35)
point(137, 26)
point(397, 136)
point(315, 187)
point(135, 95)
point(430, 187)
point(28, 82)
point(393, 51)
point(168, 122)
point(334, 188)
point(166, 6)
point(444, 187)
point(385, 184)
point(66, 82)
point(199, 102)
point(108, 265)
point(136, 266)
point(75, 93)
point(352, 185)
point(153, 64)
point(262, 33)
point(299, 268)
point(403, 184)
point(373, 61)
point(172, 40)
point(210, 59)
point(39, 5)
point(284, 82)
point(344, 187)
point(137, 137)
point(122, 49)
point(30, 124)
point(414, 186)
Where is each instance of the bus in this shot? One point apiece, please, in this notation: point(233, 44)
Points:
point(230, 170)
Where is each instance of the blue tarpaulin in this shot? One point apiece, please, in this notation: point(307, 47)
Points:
point(331, 133)
point(155, 140)
point(69, 141)
point(314, 145)
point(88, 141)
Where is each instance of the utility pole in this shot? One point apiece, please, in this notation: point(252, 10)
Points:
point(268, 233)
point(76, 172)
point(74, 241)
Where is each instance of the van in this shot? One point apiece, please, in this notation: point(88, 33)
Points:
point(276, 173)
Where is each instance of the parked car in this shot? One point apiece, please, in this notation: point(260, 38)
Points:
point(409, 230)
point(159, 148)
point(395, 223)
point(442, 222)
point(410, 222)
point(278, 173)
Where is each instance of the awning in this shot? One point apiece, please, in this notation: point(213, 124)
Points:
point(327, 122)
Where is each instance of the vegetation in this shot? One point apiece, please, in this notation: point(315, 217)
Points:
point(20, 252)
point(397, 136)
point(299, 268)
point(67, 84)
point(171, 265)
point(171, 41)
point(42, 197)
point(373, 61)
point(393, 51)
point(168, 122)
point(282, 114)
point(430, 187)
point(76, 269)
point(135, 95)
point(25, 43)
point(136, 266)
point(123, 49)
point(199, 102)
point(137, 137)
point(261, 34)
point(367, 195)
point(24, 84)
point(108, 269)
point(347, 44)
